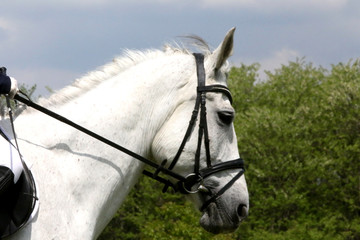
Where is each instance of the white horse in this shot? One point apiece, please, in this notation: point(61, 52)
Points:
point(142, 101)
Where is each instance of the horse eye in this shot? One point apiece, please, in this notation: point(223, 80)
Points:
point(226, 117)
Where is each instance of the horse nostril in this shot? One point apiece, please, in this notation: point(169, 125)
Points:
point(242, 211)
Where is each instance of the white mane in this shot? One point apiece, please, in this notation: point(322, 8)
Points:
point(119, 64)
point(93, 78)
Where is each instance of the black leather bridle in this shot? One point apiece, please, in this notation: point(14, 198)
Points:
point(193, 182)
point(196, 178)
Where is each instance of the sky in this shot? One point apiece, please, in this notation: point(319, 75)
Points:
point(53, 42)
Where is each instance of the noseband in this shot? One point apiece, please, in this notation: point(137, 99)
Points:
point(192, 183)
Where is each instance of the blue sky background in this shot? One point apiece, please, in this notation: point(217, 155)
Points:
point(52, 42)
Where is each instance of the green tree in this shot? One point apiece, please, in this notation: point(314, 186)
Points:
point(301, 139)
point(299, 133)
point(25, 89)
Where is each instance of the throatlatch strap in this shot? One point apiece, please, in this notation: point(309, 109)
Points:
point(188, 133)
point(200, 71)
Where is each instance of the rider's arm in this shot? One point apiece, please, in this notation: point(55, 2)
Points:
point(5, 84)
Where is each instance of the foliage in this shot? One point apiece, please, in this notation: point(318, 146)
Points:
point(299, 132)
point(25, 89)
point(149, 214)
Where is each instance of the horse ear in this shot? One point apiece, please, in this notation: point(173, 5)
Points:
point(224, 50)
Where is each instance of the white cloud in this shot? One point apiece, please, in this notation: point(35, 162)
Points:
point(85, 4)
point(5, 24)
point(7, 27)
point(274, 61)
point(276, 5)
point(10, 37)
point(279, 58)
point(75, 4)
point(255, 5)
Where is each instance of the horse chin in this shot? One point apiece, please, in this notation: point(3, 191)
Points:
point(217, 219)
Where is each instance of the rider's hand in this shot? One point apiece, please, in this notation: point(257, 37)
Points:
point(14, 88)
point(13, 83)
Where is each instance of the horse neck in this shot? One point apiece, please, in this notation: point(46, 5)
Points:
point(128, 109)
point(132, 104)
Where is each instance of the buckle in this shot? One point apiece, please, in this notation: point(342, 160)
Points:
point(193, 183)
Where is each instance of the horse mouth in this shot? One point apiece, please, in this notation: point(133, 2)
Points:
point(219, 218)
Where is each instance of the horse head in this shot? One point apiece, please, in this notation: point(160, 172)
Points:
point(220, 194)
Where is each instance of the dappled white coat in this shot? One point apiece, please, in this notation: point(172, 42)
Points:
point(81, 181)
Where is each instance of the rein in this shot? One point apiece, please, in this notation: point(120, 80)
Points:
point(159, 168)
point(186, 184)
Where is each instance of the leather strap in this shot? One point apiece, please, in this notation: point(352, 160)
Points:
point(216, 88)
point(206, 172)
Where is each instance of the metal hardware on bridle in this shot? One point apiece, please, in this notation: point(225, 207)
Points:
point(184, 184)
